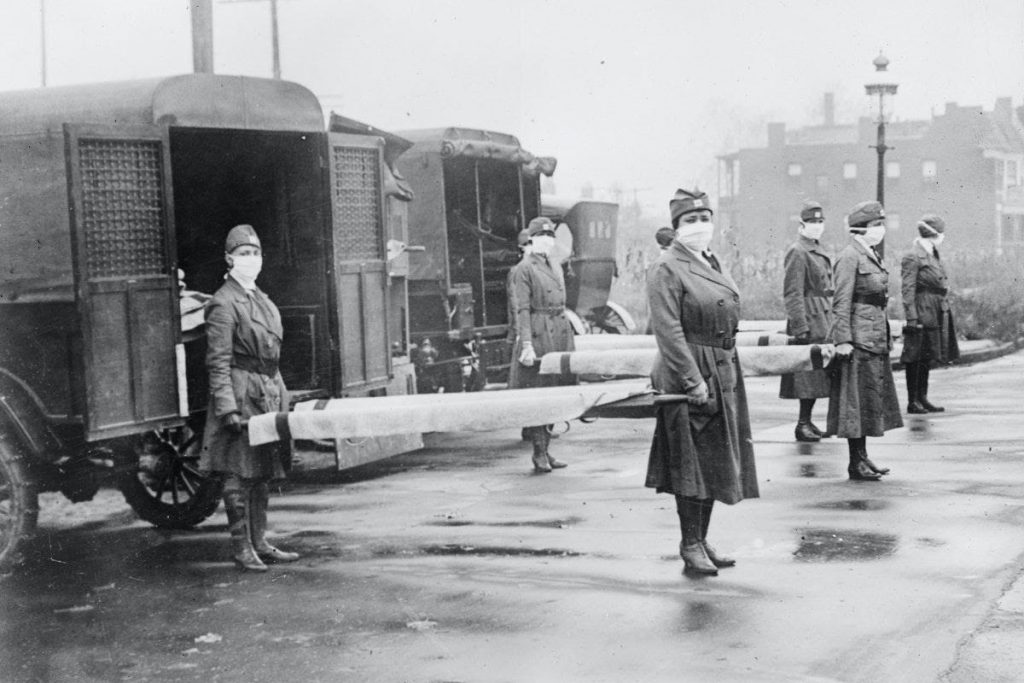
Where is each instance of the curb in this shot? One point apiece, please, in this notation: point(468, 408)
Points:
point(978, 356)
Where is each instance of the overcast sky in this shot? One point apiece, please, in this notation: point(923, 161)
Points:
point(642, 94)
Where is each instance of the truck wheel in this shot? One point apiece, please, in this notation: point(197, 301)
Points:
point(165, 486)
point(612, 319)
point(19, 504)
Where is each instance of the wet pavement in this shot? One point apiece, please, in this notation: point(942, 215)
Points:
point(456, 563)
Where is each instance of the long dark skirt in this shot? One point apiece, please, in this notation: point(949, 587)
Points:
point(701, 456)
point(810, 384)
point(931, 344)
point(863, 400)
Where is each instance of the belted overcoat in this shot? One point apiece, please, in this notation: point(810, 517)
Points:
point(863, 399)
point(537, 292)
point(244, 335)
point(925, 290)
point(807, 294)
point(699, 451)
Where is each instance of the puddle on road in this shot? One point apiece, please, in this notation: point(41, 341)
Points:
point(860, 505)
point(817, 470)
point(840, 545)
point(698, 616)
point(540, 523)
point(920, 428)
point(457, 549)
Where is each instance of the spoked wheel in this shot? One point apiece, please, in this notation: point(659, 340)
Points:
point(611, 319)
point(19, 506)
point(166, 488)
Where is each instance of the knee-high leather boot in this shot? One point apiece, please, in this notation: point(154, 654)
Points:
point(236, 504)
point(720, 561)
point(539, 437)
point(922, 390)
point(691, 548)
point(259, 499)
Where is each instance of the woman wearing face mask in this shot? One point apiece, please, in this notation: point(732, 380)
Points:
point(807, 291)
point(243, 331)
point(863, 399)
point(537, 293)
point(929, 335)
point(702, 450)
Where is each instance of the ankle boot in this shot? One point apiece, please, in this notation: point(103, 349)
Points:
point(236, 504)
point(696, 558)
point(538, 435)
point(922, 391)
point(914, 406)
point(816, 429)
point(871, 466)
point(803, 432)
point(860, 471)
point(259, 499)
point(720, 561)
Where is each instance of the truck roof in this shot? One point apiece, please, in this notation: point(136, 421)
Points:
point(191, 100)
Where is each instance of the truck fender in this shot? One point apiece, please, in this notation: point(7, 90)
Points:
point(576, 322)
point(23, 416)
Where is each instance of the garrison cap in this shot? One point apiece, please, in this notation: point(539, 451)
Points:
point(812, 211)
point(930, 225)
point(688, 201)
point(241, 235)
point(540, 224)
point(523, 239)
point(664, 236)
point(864, 213)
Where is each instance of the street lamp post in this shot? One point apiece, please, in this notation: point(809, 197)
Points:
point(882, 84)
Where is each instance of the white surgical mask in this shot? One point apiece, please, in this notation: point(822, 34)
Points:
point(938, 239)
point(874, 234)
point(543, 244)
point(246, 268)
point(812, 231)
point(695, 236)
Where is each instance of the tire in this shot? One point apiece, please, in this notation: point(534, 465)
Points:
point(165, 486)
point(19, 503)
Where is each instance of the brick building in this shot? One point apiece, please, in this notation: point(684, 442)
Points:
point(965, 164)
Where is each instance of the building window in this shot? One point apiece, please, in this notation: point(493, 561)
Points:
point(892, 169)
point(892, 221)
point(821, 182)
point(929, 169)
point(795, 170)
point(850, 171)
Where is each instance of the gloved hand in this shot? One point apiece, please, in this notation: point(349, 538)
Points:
point(844, 350)
point(803, 337)
point(528, 356)
point(232, 422)
point(699, 394)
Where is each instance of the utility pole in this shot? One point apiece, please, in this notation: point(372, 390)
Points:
point(274, 42)
point(42, 40)
point(202, 36)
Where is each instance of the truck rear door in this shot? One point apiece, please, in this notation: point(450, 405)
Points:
point(119, 188)
point(359, 259)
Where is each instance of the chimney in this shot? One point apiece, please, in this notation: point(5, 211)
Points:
point(776, 134)
point(830, 109)
point(202, 36)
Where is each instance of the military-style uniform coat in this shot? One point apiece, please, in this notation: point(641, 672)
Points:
point(243, 333)
point(863, 399)
point(537, 291)
point(699, 451)
point(924, 299)
point(807, 293)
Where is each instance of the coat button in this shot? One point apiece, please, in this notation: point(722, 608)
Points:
point(721, 302)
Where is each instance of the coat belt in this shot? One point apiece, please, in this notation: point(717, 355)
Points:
point(550, 310)
point(933, 290)
point(719, 342)
point(257, 365)
point(880, 300)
